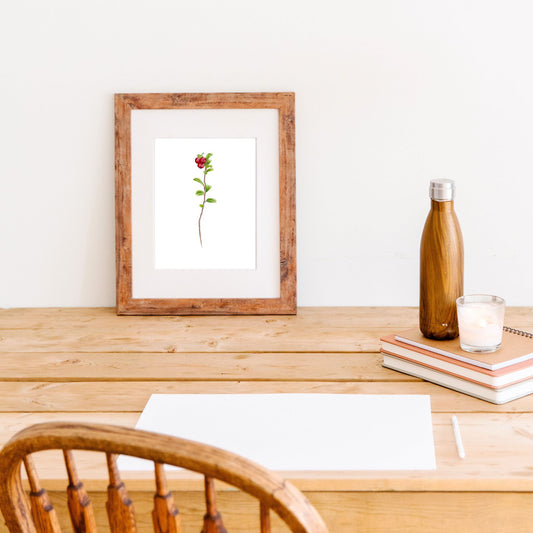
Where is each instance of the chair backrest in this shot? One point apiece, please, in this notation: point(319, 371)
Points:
point(38, 516)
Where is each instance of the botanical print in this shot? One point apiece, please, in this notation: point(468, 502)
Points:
point(205, 164)
point(211, 222)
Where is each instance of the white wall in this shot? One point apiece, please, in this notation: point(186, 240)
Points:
point(389, 94)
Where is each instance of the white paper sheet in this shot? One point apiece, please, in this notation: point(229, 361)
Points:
point(300, 431)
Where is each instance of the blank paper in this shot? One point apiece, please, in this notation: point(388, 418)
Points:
point(300, 431)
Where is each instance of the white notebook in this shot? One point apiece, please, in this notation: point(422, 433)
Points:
point(292, 432)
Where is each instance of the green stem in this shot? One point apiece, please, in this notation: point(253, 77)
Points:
point(202, 211)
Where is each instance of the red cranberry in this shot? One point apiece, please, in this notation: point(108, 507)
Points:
point(202, 160)
point(201, 165)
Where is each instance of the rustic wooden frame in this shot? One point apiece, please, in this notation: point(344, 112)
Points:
point(126, 304)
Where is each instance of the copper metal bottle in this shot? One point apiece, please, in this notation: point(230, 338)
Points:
point(441, 264)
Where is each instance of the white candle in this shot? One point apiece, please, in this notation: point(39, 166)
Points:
point(480, 322)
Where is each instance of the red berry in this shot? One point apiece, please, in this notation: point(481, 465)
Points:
point(197, 160)
point(201, 165)
point(202, 160)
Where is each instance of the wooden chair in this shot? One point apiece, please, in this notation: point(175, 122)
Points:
point(38, 516)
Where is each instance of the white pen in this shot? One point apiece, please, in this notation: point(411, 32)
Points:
point(458, 439)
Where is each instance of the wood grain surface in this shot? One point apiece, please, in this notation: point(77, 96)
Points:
point(126, 303)
point(213, 463)
point(373, 512)
point(441, 272)
point(90, 365)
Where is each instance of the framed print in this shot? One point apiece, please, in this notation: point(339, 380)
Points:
point(205, 203)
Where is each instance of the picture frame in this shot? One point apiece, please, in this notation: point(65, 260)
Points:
point(180, 250)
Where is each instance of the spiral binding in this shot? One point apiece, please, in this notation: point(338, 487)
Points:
point(518, 332)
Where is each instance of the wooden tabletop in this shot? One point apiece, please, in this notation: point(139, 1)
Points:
point(89, 364)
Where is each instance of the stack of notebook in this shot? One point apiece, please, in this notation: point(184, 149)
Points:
point(497, 377)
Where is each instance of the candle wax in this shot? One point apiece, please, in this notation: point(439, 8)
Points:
point(480, 324)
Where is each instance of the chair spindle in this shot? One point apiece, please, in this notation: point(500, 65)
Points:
point(264, 513)
point(212, 518)
point(165, 516)
point(79, 504)
point(269, 490)
point(42, 510)
point(120, 511)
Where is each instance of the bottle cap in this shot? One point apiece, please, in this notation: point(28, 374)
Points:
point(442, 190)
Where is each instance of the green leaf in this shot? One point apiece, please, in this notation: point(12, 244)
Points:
point(208, 155)
point(198, 180)
point(207, 187)
point(199, 193)
point(202, 205)
point(211, 200)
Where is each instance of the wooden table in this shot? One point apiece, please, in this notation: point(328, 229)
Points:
point(90, 365)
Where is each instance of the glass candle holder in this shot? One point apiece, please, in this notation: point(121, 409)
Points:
point(480, 319)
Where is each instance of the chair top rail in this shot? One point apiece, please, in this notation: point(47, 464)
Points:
point(278, 494)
